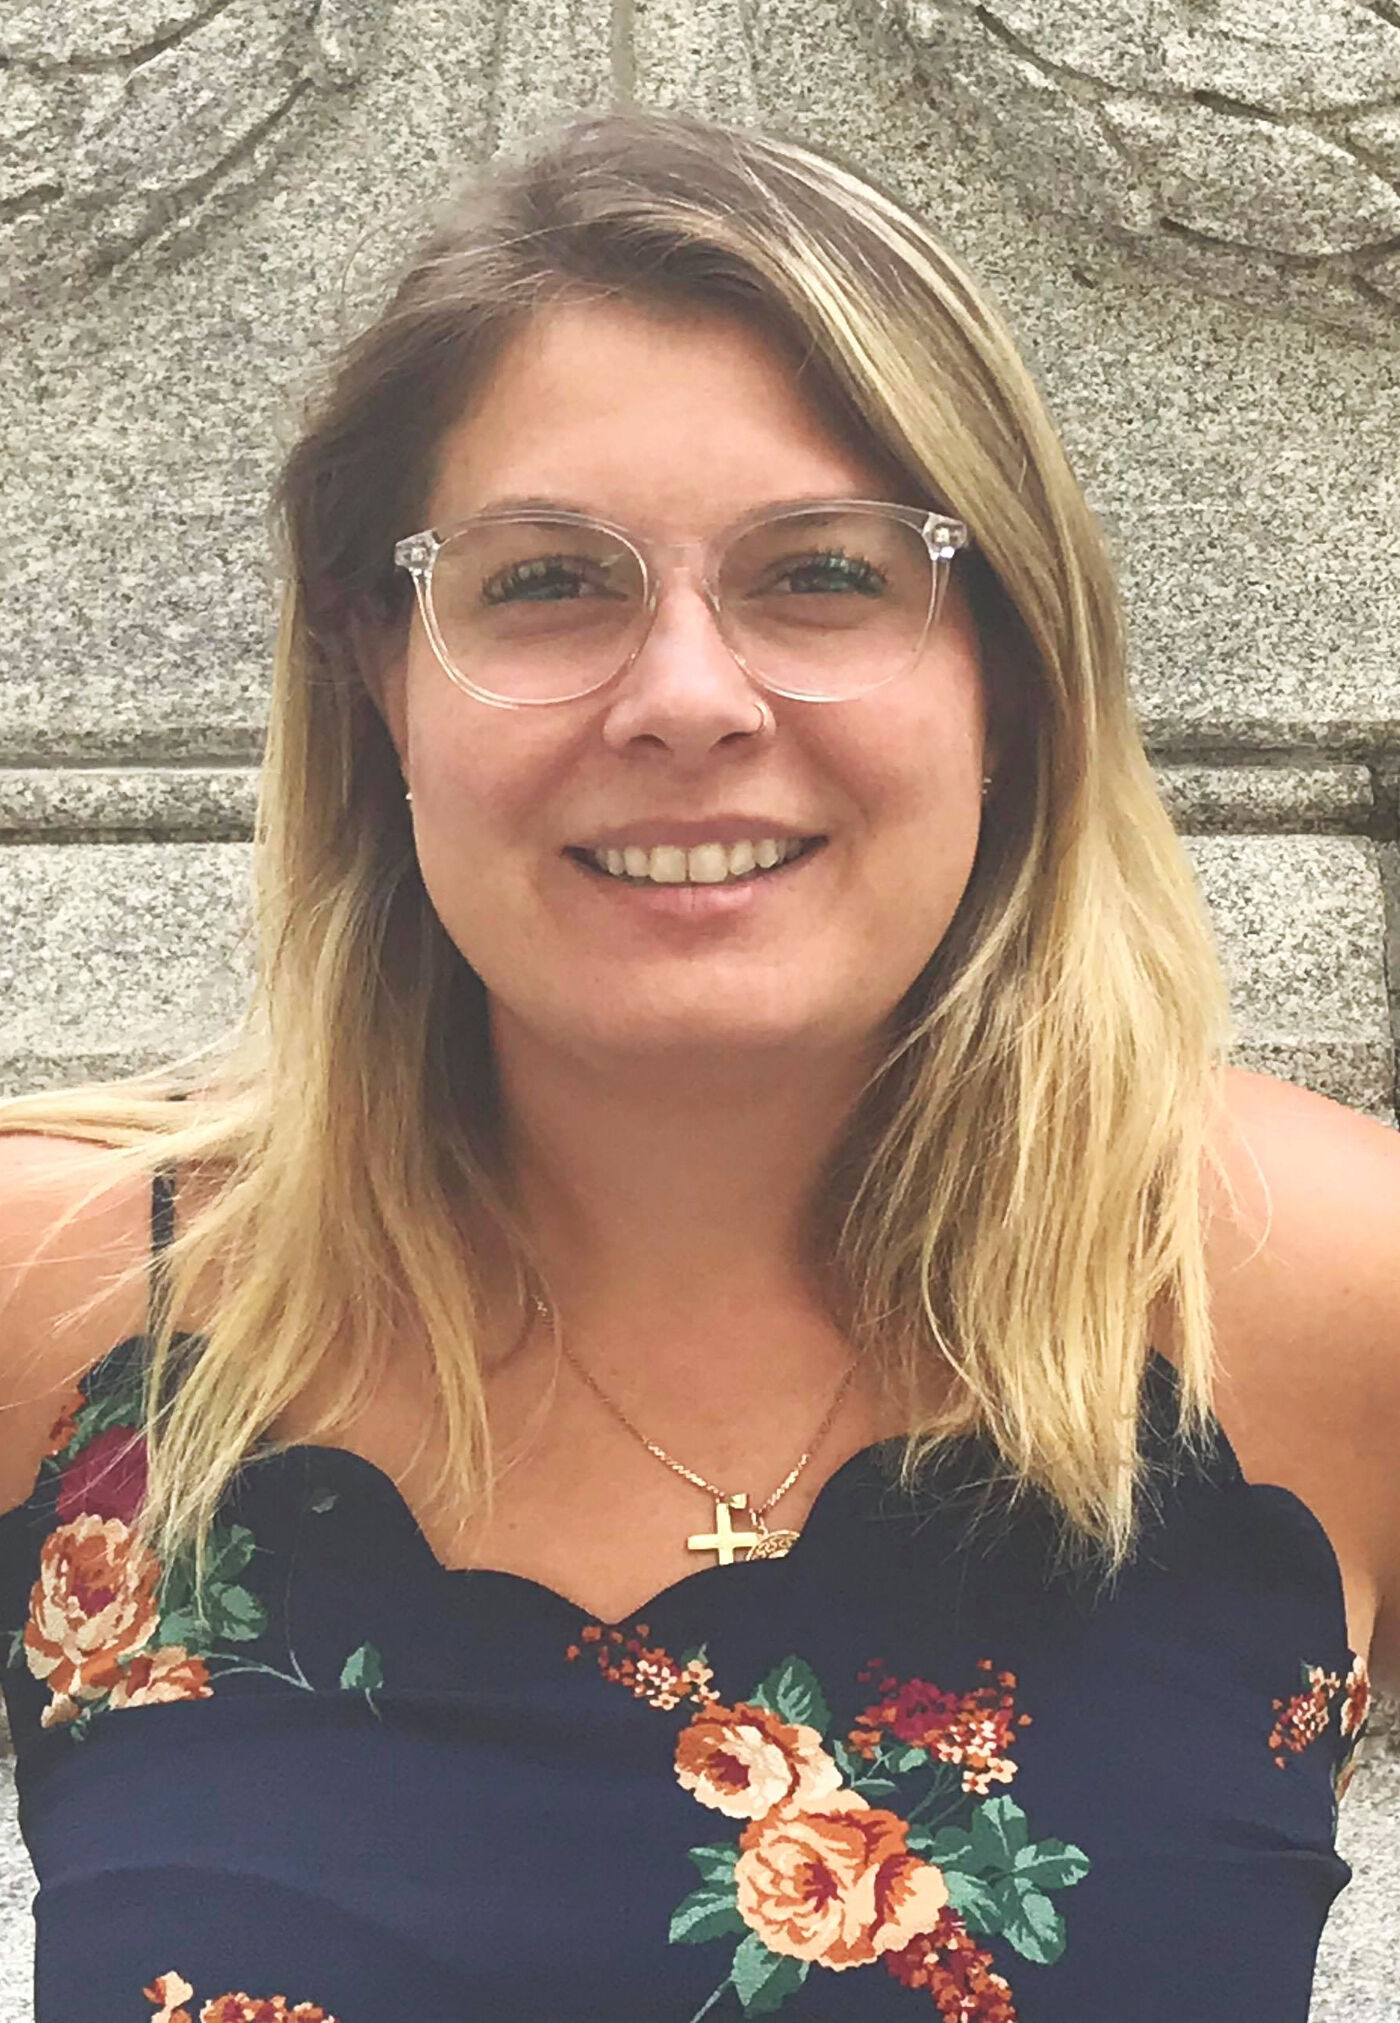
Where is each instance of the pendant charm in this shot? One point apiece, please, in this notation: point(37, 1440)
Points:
point(723, 1540)
point(772, 1544)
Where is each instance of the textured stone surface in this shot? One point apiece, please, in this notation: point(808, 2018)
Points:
point(115, 803)
point(1284, 799)
point(112, 801)
point(116, 119)
point(1243, 463)
point(16, 1925)
point(703, 57)
point(115, 956)
point(1192, 131)
point(1301, 922)
point(1356, 1964)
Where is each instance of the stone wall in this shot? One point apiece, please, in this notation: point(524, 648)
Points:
point(1190, 214)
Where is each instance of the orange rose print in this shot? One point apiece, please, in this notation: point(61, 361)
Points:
point(168, 1674)
point(93, 1605)
point(836, 1884)
point(169, 1990)
point(744, 1760)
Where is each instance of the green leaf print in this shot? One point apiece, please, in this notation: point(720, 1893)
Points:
point(229, 1550)
point(236, 1614)
point(850, 1766)
point(716, 1863)
point(363, 1670)
point(763, 1980)
point(121, 1407)
point(1030, 1922)
point(183, 1627)
point(948, 1847)
point(998, 1835)
point(707, 1913)
point(793, 1692)
point(974, 1901)
point(1052, 1864)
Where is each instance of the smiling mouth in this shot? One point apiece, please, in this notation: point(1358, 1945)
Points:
point(704, 864)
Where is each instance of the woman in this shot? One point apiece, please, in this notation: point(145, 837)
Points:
point(678, 1465)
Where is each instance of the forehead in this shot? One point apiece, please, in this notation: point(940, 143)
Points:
point(620, 408)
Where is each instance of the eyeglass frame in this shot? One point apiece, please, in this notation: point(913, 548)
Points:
point(943, 536)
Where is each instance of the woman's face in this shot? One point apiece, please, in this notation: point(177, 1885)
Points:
point(672, 427)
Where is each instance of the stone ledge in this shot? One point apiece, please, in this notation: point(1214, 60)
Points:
point(216, 803)
point(212, 803)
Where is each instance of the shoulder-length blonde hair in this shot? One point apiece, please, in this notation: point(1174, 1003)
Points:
point(1021, 1179)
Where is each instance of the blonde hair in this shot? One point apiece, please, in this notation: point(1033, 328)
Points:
point(1021, 1179)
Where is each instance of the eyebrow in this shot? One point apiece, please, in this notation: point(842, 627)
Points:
point(538, 503)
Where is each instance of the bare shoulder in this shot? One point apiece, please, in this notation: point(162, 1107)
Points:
point(62, 1304)
point(1303, 1251)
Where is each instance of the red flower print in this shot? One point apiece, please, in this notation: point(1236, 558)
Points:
point(974, 1730)
point(168, 1989)
point(107, 1478)
point(744, 1760)
point(651, 1674)
point(957, 1973)
point(834, 1883)
point(1303, 1718)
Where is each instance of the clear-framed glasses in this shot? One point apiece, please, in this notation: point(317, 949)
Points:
point(820, 600)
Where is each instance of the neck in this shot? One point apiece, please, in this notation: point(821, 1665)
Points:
point(670, 1193)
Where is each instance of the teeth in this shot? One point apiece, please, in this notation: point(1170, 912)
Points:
point(706, 864)
point(668, 865)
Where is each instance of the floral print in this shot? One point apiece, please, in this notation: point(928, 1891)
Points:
point(92, 1607)
point(956, 1971)
point(1306, 1716)
point(973, 1730)
point(744, 1761)
point(834, 1883)
point(827, 1871)
point(172, 1991)
point(108, 1626)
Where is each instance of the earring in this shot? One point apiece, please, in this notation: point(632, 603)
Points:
point(407, 794)
point(986, 782)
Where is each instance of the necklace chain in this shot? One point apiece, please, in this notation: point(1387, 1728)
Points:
point(756, 1511)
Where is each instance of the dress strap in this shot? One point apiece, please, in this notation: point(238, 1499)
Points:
point(162, 1236)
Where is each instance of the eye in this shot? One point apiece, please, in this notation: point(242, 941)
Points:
point(830, 569)
point(545, 579)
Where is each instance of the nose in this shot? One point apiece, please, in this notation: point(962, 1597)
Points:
point(684, 692)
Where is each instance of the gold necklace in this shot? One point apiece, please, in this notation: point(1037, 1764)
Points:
point(763, 1541)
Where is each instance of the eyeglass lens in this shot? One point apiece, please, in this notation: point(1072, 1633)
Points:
point(820, 604)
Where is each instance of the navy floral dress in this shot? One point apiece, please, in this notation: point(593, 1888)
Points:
point(912, 1769)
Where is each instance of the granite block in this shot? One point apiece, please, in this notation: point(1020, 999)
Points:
point(61, 803)
point(1215, 130)
point(700, 54)
point(1280, 799)
point(1356, 1961)
point(142, 417)
point(115, 957)
point(1300, 922)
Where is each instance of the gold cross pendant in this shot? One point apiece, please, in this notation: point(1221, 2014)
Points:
point(723, 1539)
